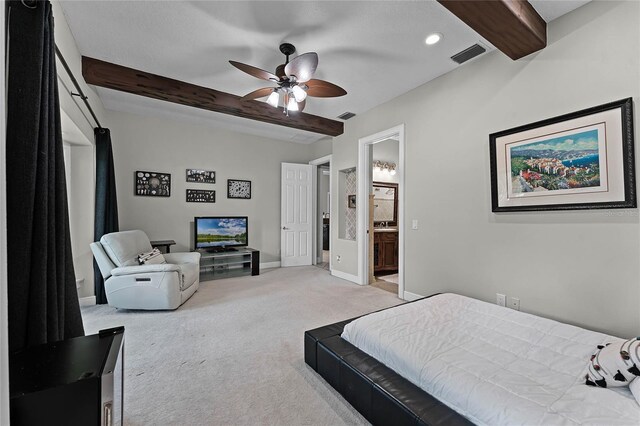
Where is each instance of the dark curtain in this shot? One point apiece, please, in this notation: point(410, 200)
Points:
point(106, 214)
point(43, 300)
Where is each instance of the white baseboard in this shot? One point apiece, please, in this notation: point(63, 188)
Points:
point(268, 265)
point(345, 276)
point(88, 301)
point(408, 296)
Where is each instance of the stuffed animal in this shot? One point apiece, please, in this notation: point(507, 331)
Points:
point(616, 364)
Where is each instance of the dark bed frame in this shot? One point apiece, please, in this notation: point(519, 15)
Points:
point(381, 395)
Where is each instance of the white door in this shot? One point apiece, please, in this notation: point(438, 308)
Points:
point(296, 215)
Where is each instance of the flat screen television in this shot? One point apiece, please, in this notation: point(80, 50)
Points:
point(220, 232)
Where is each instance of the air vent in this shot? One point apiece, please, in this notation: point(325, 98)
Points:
point(468, 53)
point(345, 116)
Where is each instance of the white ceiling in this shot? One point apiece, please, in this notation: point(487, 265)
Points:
point(375, 50)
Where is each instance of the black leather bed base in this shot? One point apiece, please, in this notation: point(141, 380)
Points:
point(382, 396)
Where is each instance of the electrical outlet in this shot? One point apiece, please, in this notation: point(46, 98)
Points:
point(501, 299)
point(414, 224)
point(514, 303)
point(339, 258)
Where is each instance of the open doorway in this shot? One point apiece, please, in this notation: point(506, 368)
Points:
point(322, 209)
point(384, 246)
point(380, 201)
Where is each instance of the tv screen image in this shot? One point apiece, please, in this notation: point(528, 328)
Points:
point(219, 232)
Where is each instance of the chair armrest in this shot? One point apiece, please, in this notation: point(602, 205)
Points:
point(145, 269)
point(179, 258)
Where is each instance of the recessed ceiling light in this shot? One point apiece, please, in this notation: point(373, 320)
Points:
point(433, 38)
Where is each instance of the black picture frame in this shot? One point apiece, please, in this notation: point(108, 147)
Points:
point(151, 184)
point(200, 176)
point(200, 196)
point(239, 189)
point(616, 118)
point(351, 201)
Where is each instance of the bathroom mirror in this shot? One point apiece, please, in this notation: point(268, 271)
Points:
point(385, 203)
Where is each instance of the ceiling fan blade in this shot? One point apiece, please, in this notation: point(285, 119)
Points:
point(324, 89)
point(256, 94)
point(302, 67)
point(256, 72)
point(301, 105)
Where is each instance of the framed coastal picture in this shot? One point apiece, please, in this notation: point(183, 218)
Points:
point(581, 160)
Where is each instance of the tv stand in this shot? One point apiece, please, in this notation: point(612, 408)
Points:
point(217, 264)
point(221, 250)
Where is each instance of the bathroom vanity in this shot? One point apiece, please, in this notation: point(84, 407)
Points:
point(385, 250)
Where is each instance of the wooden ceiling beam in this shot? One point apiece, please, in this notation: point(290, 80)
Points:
point(118, 77)
point(512, 26)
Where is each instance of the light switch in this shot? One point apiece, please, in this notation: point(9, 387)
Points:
point(414, 224)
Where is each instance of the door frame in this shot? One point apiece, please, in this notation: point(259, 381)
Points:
point(314, 170)
point(362, 201)
point(4, 303)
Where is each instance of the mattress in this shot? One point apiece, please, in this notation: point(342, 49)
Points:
point(494, 365)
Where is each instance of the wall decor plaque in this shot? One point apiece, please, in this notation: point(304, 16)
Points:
point(201, 196)
point(201, 176)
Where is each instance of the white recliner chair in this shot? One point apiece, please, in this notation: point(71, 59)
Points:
point(129, 285)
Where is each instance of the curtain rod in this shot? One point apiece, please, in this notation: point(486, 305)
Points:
point(75, 83)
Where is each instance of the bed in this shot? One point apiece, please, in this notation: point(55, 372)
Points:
point(450, 359)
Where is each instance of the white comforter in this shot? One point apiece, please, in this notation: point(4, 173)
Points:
point(494, 365)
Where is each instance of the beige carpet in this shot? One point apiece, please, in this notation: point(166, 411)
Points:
point(233, 353)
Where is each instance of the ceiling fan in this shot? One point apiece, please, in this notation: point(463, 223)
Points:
point(293, 79)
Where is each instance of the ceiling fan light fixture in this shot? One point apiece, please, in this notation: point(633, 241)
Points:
point(299, 93)
point(293, 79)
point(273, 99)
point(292, 105)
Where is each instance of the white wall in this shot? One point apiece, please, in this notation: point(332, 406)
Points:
point(73, 106)
point(77, 131)
point(321, 148)
point(154, 144)
point(79, 173)
point(592, 58)
point(81, 214)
